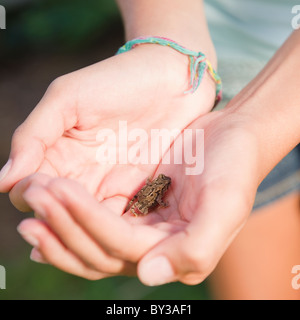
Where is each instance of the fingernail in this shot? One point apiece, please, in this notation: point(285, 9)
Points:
point(157, 271)
point(36, 256)
point(31, 239)
point(4, 171)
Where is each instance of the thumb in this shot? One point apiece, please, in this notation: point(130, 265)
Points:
point(175, 259)
point(41, 129)
point(190, 255)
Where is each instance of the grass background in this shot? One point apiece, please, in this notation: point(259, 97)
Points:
point(27, 280)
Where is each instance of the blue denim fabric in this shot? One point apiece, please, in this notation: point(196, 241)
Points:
point(281, 181)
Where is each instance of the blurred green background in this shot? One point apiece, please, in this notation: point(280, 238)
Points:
point(43, 40)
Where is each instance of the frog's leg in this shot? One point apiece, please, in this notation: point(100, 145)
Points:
point(161, 203)
point(145, 211)
point(132, 209)
point(131, 203)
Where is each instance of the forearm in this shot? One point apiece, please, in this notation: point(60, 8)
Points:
point(181, 21)
point(271, 103)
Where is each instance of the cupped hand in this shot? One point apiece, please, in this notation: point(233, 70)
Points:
point(144, 88)
point(182, 242)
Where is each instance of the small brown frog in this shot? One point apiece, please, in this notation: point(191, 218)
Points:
point(150, 196)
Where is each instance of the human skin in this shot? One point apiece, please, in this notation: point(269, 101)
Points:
point(185, 241)
point(76, 106)
point(143, 87)
point(194, 229)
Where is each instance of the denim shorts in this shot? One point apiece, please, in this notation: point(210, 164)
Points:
point(281, 181)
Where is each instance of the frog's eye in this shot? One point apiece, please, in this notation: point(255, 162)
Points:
point(163, 177)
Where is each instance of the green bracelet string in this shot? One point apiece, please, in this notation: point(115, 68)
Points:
point(198, 62)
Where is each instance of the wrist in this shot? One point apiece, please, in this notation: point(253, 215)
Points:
point(162, 76)
point(170, 66)
point(270, 103)
point(181, 21)
point(274, 137)
point(173, 57)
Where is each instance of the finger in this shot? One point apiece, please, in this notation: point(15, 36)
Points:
point(103, 223)
point(52, 250)
point(46, 123)
point(36, 256)
point(72, 235)
point(17, 192)
point(191, 255)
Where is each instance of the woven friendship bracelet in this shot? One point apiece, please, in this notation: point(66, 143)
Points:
point(198, 62)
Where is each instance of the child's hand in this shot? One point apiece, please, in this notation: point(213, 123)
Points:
point(143, 87)
point(182, 242)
